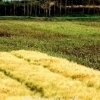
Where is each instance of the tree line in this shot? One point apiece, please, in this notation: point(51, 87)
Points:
point(48, 7)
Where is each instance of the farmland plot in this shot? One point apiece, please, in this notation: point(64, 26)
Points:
point(31, 73)
point(78, 41)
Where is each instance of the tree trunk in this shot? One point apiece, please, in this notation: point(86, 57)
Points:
point(54, 7)
point(57, 7)
point(11, 8)
point(60, 7)
point(31, 8)
point(46, 12)
point(71, 6)
point(24, 8)
point(5, 7)
point(83, 6)
point(65, 7)
point(14, 9)
point(49, 8)
point(94, 6)
point(35, 9)
point(39, 8)
point(27, 9)
point(89, 7)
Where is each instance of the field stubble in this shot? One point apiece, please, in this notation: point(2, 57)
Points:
point(47, 76)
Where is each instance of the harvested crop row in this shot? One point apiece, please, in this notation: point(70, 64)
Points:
point(11, 89)
point(42, 81)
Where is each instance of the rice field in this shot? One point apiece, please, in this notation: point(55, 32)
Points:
point(78, 41)
point(35, 74)
point(44, 59)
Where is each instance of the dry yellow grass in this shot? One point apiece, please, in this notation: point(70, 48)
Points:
point(47, 76)
point(10, 88)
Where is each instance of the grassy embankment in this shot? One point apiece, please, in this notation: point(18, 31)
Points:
point(50, 76)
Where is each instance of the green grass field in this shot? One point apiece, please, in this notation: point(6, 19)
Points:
point(25, 71)
point(78, 41)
